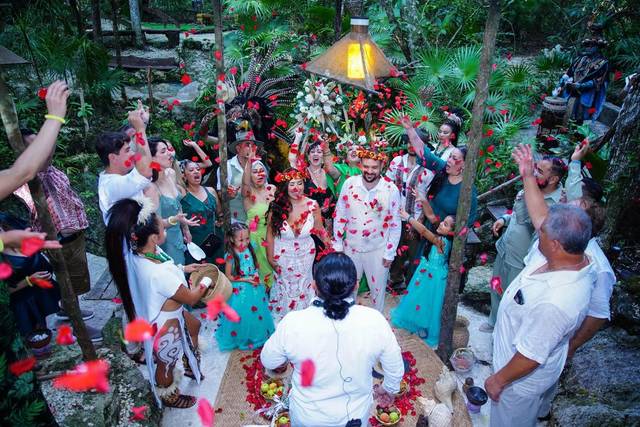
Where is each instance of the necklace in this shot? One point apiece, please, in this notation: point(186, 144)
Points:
point(158, 257)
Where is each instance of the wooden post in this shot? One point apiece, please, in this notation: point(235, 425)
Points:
point(150, 89)
point(136, 23)
point(69, 299)
point(337, 22)
point(220, 113)
point(450, 306)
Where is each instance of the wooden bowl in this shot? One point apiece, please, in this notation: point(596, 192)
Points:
point(40, 342)
point(277, 422)
point(388, 410)
point(279, 383)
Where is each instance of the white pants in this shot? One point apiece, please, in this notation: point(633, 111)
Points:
point(370, 263)
point(515, 410)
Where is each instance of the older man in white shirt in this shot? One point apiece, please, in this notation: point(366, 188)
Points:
point(540, 311)
point(343, 341)
point(367, 223)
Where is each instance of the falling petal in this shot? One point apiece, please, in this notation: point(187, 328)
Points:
point(205, 412)
point(307, 372)
point(138, 331)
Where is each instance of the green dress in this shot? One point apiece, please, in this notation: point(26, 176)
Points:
point(174, 242)
point(250, 301)
point(205, 212)
point(346, 171)
point(256, 217)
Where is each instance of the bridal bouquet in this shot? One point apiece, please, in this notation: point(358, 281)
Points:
point(318, 106)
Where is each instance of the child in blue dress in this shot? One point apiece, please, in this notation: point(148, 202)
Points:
point(248, 299)
point(419, 310)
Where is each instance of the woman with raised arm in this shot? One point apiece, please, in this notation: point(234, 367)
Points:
point(153, 287)
point(444, 192)
point(202, 204)
point(257, 193)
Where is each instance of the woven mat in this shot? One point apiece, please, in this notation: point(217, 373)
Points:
point(236, 412)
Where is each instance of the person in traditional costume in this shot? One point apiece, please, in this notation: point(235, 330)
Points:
point(291, 219)
point(585, 82)
point(343, 341)
point(367, 222)
point(154, 288)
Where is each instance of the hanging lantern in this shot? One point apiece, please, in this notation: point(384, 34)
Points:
point(354, 59)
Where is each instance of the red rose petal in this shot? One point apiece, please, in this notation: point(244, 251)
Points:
point(307, 372)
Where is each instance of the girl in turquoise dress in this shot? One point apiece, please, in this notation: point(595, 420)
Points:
point(248, 299)
point(419, 310)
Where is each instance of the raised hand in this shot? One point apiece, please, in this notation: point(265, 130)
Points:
point(406, 123)
point(524, 158)
point(56, 99)
point(581, 150)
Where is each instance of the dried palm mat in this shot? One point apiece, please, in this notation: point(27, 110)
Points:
point(237, 412)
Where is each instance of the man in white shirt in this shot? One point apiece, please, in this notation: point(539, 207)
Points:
point(127, 170)
point(540, 311)
point(408, 176)
point(343, 341)
point(367, 223)
point(242, 148)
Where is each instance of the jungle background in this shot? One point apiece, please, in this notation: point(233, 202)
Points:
point(435, 44)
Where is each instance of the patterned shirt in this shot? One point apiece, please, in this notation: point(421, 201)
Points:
point(65, 206)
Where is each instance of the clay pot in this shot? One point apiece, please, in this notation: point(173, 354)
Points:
point(461, 332)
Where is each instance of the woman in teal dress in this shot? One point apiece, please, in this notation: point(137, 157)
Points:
point(248, 298)
point(202, 203)
point(166, 195)
point(419, 310)
point(257, 193)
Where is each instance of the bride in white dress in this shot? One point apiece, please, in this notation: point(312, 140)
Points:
point(291, 220)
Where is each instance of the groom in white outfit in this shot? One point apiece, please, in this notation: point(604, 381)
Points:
point(367, 223)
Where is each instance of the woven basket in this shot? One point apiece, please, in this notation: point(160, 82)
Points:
point(220, 284)
point(461, 332)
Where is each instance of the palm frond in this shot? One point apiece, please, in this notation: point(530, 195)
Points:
point(465, 64)
point(434, 69)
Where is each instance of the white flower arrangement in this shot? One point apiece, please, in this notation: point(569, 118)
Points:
point(316, 106)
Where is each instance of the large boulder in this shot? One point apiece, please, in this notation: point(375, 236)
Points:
point(476, 290)
point(602, 384)
point(128, 389)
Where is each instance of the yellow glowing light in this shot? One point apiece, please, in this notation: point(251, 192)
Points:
point(355, 68)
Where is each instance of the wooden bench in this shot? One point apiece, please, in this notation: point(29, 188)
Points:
point(131, 62)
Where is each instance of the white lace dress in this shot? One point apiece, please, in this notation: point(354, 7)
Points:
point(295, 254)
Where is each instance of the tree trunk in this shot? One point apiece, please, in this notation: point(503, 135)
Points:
point(398, 34)
point(69, 299)
point(222, 120)
point(337, 21)
point(96, 22)
point(623, 175)
point(77, 16)
point(136, 23)
point(116, 39)
point(450, 306)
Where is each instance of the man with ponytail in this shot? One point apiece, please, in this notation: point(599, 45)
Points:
point(343, 341)
point(153, 288)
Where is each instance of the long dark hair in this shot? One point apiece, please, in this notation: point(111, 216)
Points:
point(335, 276)
point(441, 176)
point(280, 207)
point(456, 127)
point(153, 142)
point(123, 228)
point(235, 228)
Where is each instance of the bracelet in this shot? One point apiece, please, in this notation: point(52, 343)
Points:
point(54, 117)
point(1, 245)
point(26, 279)
point(172, 220)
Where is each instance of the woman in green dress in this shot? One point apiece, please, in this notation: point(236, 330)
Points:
point(257, 194)
point(202, 203)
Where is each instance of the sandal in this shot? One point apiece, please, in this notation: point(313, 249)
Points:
point(179, 401)
point(188, 372)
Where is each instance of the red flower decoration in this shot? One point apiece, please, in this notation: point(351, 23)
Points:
point(65, 335)
point(31, 245)
point(205, 412)
point(307, 372)
point(86, 376)
point(20, 367)
point(185, 79)
point(138, 331)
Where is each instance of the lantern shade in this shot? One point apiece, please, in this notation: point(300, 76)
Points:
point(354, 59)
point(8, 58)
